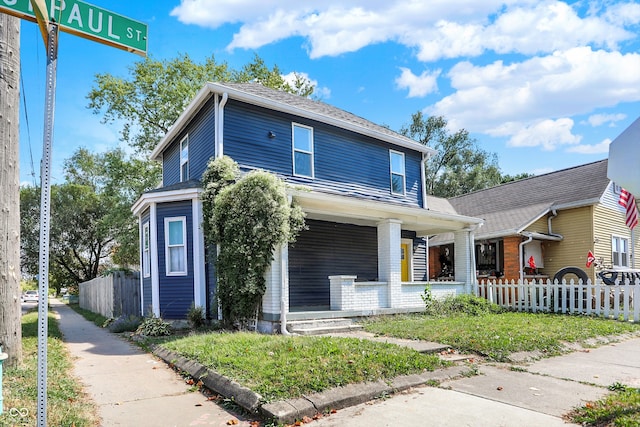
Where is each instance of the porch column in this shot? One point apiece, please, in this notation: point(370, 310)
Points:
point(389, 247)
point(465, 269)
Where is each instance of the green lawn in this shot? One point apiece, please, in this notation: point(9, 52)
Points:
point(67, 405)
point(497, 335)
point(280, 367)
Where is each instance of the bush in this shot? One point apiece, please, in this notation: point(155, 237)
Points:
point(154, 327)
point(469, 305)
point(195, 316)
point(123, 324)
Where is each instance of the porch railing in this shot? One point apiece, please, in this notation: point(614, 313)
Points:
point(620, 301)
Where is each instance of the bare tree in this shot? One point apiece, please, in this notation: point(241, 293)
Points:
point(10, 312)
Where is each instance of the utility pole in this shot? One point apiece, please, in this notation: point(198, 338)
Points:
point(10, 310)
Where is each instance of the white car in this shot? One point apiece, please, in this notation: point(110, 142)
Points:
point(30, 296)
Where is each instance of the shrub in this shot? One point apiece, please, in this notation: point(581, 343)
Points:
point(154, 327)
point(469, 305)
point(195, 316)
point(247, 219)
point(123, 323)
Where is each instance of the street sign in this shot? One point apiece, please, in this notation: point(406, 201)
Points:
point(87, 21)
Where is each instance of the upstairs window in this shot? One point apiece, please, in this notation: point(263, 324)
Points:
point(146, 250)
point(302, 150)
point(175, 232)
point(619, 251)
point(397, 172)
point(184, 159)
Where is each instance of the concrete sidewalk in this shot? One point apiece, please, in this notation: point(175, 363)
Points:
point(131, 387)
point(534, 394)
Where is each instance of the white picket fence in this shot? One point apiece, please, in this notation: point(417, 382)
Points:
point(597, 299)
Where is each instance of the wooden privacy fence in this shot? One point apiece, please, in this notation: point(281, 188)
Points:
point(598, 299)
point(112, 296)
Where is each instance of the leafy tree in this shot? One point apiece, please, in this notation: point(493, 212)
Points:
point(460, 166)
point(119, 181)
point(150, 100)
point(508, 178)
point(92, 228)
point(248, 219)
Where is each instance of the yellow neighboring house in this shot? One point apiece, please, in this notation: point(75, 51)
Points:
point(554, 219)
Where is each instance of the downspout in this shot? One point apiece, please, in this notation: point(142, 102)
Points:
point(423, 178)
point(554, 213)
point(521, 254)
point(219, 147)
point(220, 126)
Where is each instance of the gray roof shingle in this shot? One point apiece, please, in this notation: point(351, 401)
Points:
point(509, 208)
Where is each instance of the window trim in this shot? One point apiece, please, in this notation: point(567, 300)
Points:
point(392, 173)
point(182, 160)
point(146, 250)
point(294, 149)
point(626, 254)
point(167, 246)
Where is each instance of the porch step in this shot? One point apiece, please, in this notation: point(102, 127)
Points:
point(322, 326)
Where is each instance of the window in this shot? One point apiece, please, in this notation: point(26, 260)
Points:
point(175, 231)
point(397, 172)
point(184, 159)
point(146, 251)
point(302, 150)
point(620, 251)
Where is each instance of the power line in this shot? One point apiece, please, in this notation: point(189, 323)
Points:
point(26, 119)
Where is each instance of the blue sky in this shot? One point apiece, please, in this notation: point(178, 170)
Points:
point(544, 84)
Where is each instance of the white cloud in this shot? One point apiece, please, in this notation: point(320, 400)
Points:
point(596, 120)
point(437, 28)
point(488, 98)
point(548, 134)
point(418, 86)
point(601, 148)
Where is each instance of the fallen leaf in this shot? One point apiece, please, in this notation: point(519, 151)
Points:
point(232, 422)
point(333, 411)
point(317, 416)
point(306, 419)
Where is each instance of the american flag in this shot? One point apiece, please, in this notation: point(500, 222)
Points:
point(628, 202)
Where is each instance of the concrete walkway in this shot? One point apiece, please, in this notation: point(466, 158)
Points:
point(533, 394)
point(131, 387)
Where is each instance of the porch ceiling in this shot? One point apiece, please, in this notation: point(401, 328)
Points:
point(335, 208)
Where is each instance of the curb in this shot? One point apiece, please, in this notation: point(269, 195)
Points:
point(288, 411)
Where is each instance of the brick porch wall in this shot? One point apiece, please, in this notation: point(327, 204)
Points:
point(512, 258)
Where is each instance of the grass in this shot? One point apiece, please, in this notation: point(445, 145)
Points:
point(497, 335)
point(279, 367)
point(67, 405)
point(618, 409)
point(96, 318)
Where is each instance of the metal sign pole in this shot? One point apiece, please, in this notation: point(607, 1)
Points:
point(45, 209)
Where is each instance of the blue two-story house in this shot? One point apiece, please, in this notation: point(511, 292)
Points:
point(361, 186)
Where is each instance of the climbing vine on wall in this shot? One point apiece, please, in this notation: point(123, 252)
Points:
point(248, 218)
